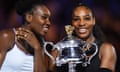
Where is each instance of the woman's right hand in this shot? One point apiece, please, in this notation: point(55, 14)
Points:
point(29, 37)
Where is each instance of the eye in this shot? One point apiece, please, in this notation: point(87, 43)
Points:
point(45, 17)
point(76, 19)
point(87, 18)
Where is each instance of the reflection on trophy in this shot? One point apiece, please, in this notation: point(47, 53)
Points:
point(72, 50)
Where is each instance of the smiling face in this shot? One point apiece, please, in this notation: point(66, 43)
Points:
point(40, 20)
point(83, 21)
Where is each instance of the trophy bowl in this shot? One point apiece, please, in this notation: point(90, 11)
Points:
point(70, 51)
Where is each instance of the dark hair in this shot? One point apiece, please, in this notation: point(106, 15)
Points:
point(26, 6)
point(98, 33)
point(83, 5)
point(23, 6)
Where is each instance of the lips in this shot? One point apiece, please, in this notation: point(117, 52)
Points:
point(82, 30)
point(45, 27)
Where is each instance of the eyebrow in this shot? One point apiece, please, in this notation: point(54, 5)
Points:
point(84, 16)
point(42, 14)
point(87, 15)
point(46, 14)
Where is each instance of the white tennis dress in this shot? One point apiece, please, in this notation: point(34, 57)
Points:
point(17, 61)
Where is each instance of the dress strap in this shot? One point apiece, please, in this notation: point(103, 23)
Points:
point(14, 30)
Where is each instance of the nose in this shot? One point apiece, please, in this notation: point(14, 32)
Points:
point(82, 23)
point(48, 22)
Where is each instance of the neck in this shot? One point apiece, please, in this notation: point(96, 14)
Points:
point(26, 27)
point(90, 39)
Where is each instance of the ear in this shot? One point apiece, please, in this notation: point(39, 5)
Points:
point(28, 17)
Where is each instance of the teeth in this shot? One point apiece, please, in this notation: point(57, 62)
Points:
point(82, 30)
point(45, 28)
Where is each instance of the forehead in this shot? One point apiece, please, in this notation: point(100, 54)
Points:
point(82, 11)
point(42, 10)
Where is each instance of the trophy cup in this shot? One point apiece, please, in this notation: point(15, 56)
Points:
point(72, 50)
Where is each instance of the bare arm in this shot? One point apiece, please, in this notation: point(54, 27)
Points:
point(52, 65)
point(108, 56)
point(39, 65)
point(6, 42)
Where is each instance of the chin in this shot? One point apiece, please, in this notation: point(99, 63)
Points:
point(44, 33)
point(83, 36)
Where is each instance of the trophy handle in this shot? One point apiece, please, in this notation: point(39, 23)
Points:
point(96, 50)
point(90, 58)
point(46, 52)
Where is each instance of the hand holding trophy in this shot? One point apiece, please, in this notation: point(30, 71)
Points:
point(72, 50)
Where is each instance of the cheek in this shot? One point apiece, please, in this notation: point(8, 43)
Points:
point(90, 29)
point(37, 25)
point(75, 24)
point(38, 20)
point(90, 25)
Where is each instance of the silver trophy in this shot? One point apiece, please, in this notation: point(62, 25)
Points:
point(72, 50)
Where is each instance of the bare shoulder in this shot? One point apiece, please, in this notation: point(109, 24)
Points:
point(6, 38)
point(107, 47)
point(7, 34)
point(108, 56)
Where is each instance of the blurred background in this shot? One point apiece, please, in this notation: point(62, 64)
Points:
point(107, 14)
